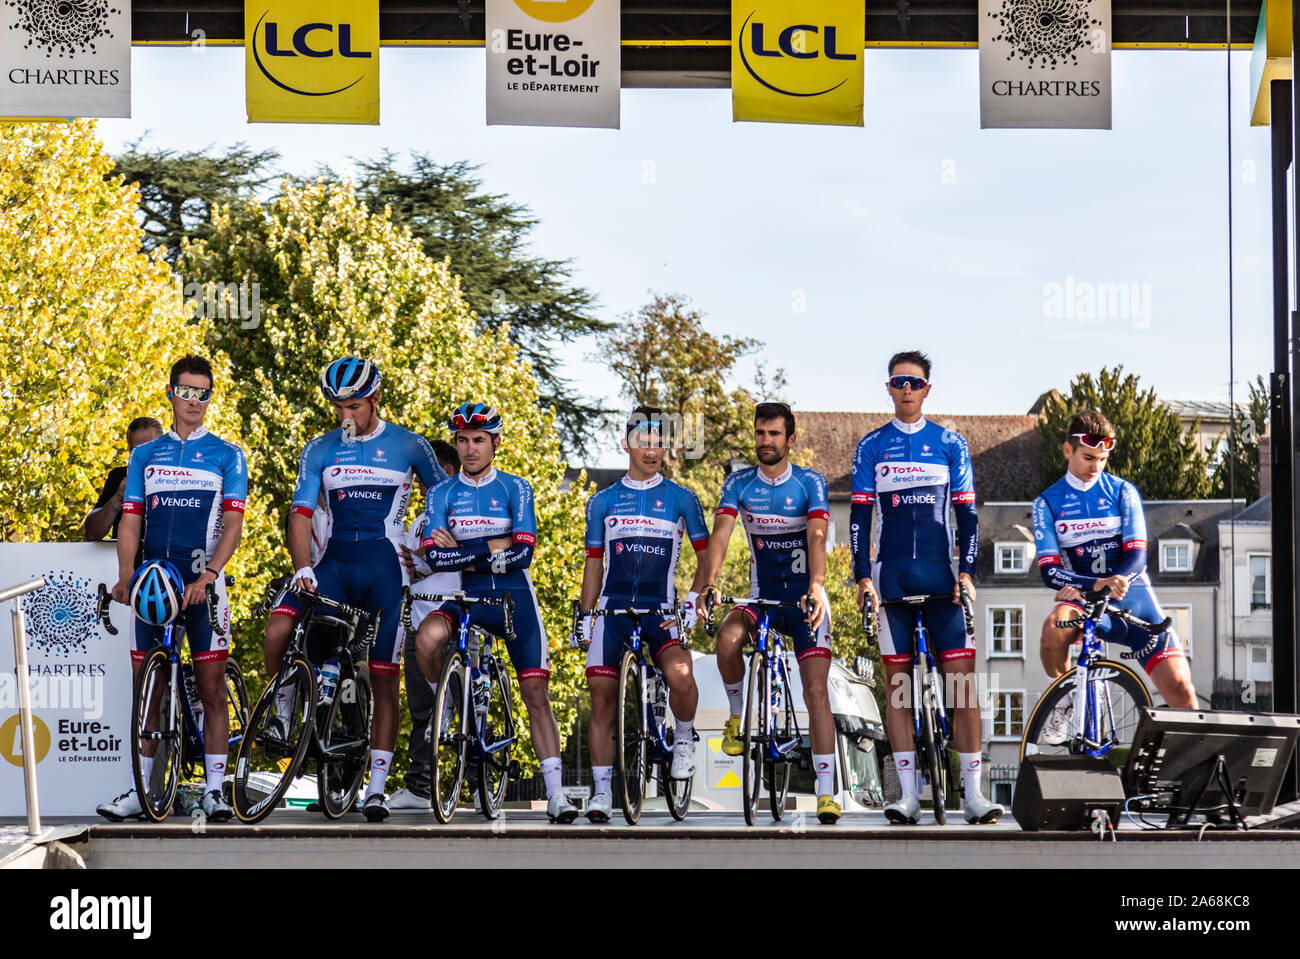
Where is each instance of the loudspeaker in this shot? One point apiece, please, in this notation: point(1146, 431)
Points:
point(1061, 792)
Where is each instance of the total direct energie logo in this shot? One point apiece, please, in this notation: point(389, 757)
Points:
point(289, 53)
point(795, 59)
point(554, 11)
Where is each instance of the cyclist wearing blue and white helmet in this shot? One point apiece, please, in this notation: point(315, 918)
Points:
point(364, 468)
point(481, 521)
point(183, 504)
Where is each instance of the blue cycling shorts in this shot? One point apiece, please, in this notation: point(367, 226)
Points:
point(945, 628)
point(205, 646)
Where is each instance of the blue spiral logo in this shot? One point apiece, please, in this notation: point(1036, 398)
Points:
point(61, 614)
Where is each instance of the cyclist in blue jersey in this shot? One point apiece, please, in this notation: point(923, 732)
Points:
point(785, 514)
point(482, 522)
point(918, 472)
point(364, 469)
point(633, 539)
point(187, 488)
point(1090, 533)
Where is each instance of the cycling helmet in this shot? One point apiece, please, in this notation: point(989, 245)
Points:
point(475, 416)
point(349, 378)
point(156, 592)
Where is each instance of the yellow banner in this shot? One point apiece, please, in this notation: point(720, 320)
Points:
point(311, 61)
point(797, 61)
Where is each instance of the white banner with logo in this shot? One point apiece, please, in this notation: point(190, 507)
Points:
point(79, 677)
point(553, 63)
point(1045, 66)
point(65, 59)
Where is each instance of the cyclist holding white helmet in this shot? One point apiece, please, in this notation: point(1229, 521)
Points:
point(365, 470)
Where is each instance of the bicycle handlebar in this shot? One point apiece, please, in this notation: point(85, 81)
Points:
point(507, 602)
point(636, 613)
point(101, 609)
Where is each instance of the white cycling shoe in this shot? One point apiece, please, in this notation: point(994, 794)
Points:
point(559, 809)
point(215, 807)
point(125, 806)
point(683, 766)
point(599, 807)
point(904, 812)
point(1056, 730)
point(977, 809)
point(404, 800)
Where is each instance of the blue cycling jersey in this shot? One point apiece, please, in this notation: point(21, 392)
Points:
point(1087, 531)
point(637, 526)
point(916, 472)
point(181, 487)
point(366, 481)
point(474, 511)
point(775, 513)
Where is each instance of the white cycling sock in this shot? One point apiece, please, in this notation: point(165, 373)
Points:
point(905, 766)
point(735, 696)
point(684, 731)
point(824, 765)
point(214, 770)
point(603, 777)
point(380, 762)
point(972, 765)
point(551, 774)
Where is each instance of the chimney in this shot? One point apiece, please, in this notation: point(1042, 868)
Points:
point(1265, 464)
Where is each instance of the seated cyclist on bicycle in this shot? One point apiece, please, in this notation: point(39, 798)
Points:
point(785, 514)
point(1090, 534)
point(918, 472)
point(481, 521)
point(364, 468)
point(634, 536)
point(188, 487)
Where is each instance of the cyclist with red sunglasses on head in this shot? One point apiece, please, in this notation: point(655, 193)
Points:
point(1090, 533)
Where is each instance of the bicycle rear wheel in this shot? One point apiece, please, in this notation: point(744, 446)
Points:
point(936, 761)
point(630, 754)
point(450, 742)
point(1123, 696)
point(676, 791)
point(157, 734)
point(779, 771)
point(753, 731)
point(345, 721)
point(494, 770)
point(268, 760)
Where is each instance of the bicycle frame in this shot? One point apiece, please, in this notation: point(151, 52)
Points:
point(926, 689)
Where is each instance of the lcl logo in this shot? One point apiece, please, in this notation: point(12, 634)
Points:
point(796, 41)
point(317, 41)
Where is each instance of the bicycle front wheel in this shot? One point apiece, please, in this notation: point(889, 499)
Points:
point(275, 741)
point(157, 735)
point(754, 738)
point(936, 759)
point(346, 728)
point(450, 742)
point(1122, 695)
point(631, 752)
point(676, 791)
point(236, 703)
point(779, 772)
point(494, 769)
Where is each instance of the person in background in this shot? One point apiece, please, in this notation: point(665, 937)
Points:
point(102, 521)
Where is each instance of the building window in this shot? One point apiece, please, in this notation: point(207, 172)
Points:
point(1182, 617)
point(1260, 668)
point(1007, 631)
point(1175, 556)
point(1008, 714)
point(1012, 558)
point(1261, 582)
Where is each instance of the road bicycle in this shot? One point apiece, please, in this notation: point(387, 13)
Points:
point(473, 711)
point(167, 713)
point(930, 728)
point(771, 736)
point(642, 735)
point(1097, 702)
point(322, 713)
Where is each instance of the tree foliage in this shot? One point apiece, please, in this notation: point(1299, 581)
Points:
point(1153, 452)
point(1236, 461)
point(334, 280)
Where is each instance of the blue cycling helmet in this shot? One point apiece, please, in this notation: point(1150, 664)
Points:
point(475, 416)
point(156, 592)
point(349, 378)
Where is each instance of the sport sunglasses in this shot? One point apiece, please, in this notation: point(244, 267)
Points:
point(199, 393)
point(1095, 441)
point(474, 422)
point(915, 382)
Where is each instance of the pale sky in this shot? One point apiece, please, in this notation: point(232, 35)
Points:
point(839, 246)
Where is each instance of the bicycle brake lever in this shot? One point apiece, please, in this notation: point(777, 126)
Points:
point(101, 610)
point(213, 618)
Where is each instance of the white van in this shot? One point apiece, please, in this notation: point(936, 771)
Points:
point(857, 730)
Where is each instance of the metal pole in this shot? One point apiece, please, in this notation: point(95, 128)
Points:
point(1284, 690)
point(25, 718)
